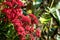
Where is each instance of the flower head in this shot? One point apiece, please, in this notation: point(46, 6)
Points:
point(38, 32)
point(33, 19)
point(26, 19)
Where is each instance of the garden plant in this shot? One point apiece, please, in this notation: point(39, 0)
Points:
point(29, 19)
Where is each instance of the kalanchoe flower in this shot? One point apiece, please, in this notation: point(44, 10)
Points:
point(8, 4)
point(19, 12)
point(32, 29)
point(11, 3)
point(6, 10)
point(33, 19)
point(38, 32)
point(27, 27)
point(17, 22)
point(23, 24)
point(26, 19)
point(19, 3)
point(22, 37)
point(12, 13)
point(32, 37)
point(18, 27)
point(21, 32)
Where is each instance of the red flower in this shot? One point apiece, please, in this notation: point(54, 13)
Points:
point(32, 37)
point(22, 24)
point(7, 10)
point(17, 22)
point(18, 27)
point(12, 13)
point(27, 27)
point(8, 3)
point(22, 37)
point(34, 19)
point(11, 3)
point(38, 32)
point(22, 33)
point(32, 29)
point(19, 12)
point(19, 3)
point(26, 19)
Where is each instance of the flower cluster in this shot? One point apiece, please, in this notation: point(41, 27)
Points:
point(23, 24)
point(14, 3)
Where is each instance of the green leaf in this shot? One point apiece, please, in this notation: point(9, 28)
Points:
point(37, 3)
point(58, 5)
point(44, 20)
point(1, 1)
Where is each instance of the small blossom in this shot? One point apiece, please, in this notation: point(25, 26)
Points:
point(8, 3)
point(38, 32)
point(32, 29)
point(26, 19)
point(27, 27)
point(22, 38)
point(34, 19)
point(32, 37)
point(17, 22)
